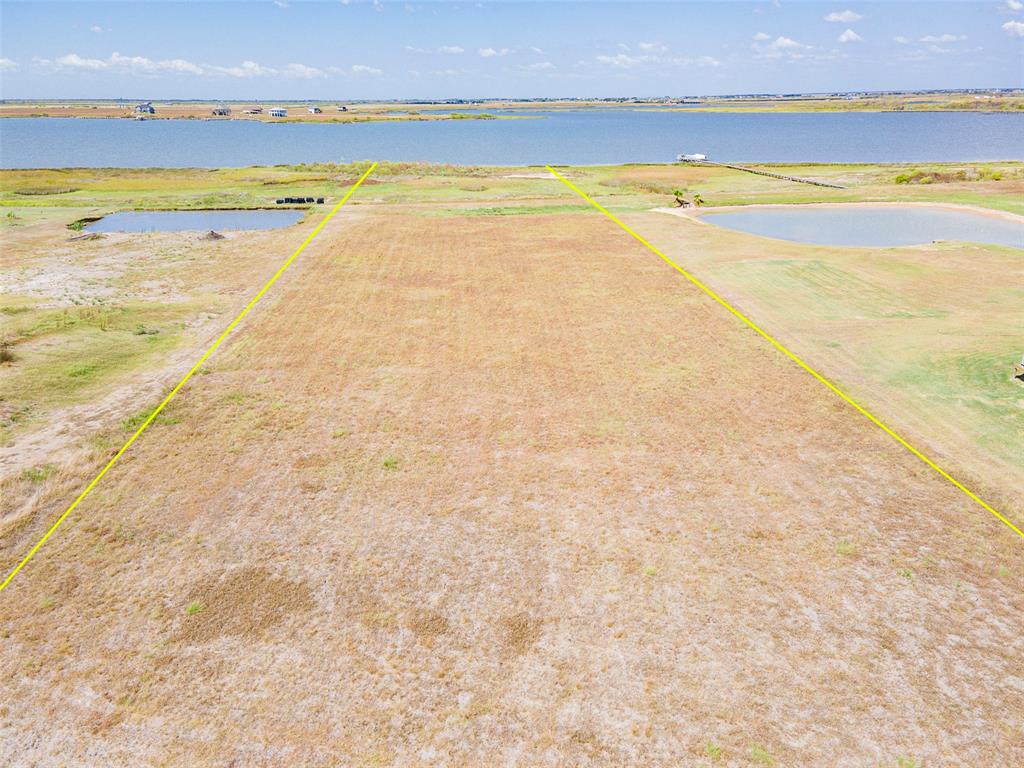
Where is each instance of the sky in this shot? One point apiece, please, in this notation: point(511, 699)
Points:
point(375, 49)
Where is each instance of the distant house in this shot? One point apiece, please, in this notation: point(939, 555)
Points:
point(278, 112)
point(252, 111)
point(144, 109)
point(221, 111)
point(342, 108)
point(314, 110)
point(695, 158)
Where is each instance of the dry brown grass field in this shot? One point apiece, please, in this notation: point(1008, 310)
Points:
point(483, 482)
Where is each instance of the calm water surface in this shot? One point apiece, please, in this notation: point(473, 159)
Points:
point(871, 226)
point(201, 221)
point(576, 137)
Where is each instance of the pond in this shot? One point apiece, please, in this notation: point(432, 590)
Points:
point(871, 226)
point(199, 221)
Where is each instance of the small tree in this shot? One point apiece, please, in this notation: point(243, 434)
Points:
point(678, 194)
point(698, 200)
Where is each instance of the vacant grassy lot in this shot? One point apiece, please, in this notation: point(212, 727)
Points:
point(482, 482)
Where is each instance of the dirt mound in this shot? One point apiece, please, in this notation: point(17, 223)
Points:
point(243, 602)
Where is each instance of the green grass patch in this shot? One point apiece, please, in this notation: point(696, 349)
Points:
point(38, 474)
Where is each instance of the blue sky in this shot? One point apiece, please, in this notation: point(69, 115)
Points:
point(364, 49)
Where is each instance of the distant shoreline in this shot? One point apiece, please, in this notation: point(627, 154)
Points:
point(995, 101)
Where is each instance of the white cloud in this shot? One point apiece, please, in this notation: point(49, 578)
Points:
point(535, 49)
point(783, 47)
point(489, 52)
point(658, 47)
point(281, 3)
point(96, 28)
point(946, 38)
point(451, 50)
point(844, 17)
point(302, 71)
point(784, 43)
point(141, 65)
point(1014, 28)
point(762, 36)
point(378, 6)
point(622, 61)
point(180, 65)
point(849, 36)
point(1014, 5)
point(8, 65)
point(363, 69)
point(74, 61)
point(901, 40)
point(541, 66)
point(707, 61)
point(245, 69)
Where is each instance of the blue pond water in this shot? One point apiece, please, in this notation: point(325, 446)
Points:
point(202, 221)
point(871, 226)
point(571, 137)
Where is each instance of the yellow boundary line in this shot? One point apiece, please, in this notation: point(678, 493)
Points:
point(180, 384)
point(752, 325)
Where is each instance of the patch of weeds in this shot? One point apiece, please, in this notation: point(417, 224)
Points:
point(390, 462)
point(906, 762)
point(132, 423)
point(81, 371)
point(7, 351)
point(38, 474)
point(846, 547)
point(760, 755)
point(1003, 572)
point(712, 750)
point(142, 330)
point(339, 433)
point(906, 573)
point(194, 607)
point(650, 570)
point(46, 603)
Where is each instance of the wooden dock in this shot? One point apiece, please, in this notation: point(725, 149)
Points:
point(765, 173)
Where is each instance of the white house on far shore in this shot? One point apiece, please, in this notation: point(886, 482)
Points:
point(314, 110)
point(277, 112)
point(145, 109)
